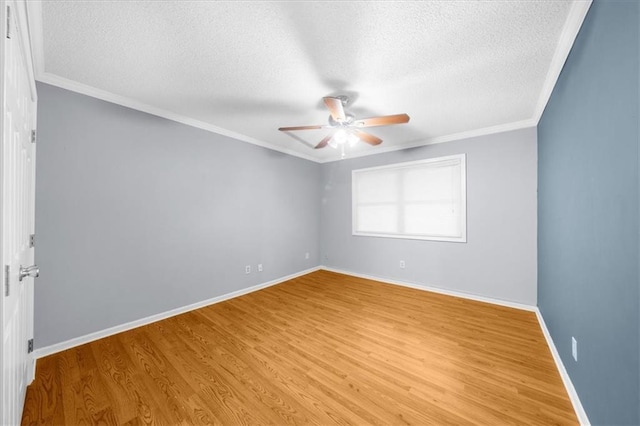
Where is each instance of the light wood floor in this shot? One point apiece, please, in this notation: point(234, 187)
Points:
point(320, 349)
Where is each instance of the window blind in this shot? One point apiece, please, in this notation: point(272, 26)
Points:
point(422, 199)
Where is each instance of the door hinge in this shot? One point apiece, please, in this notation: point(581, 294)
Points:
point(33, 136)
point(7, 269)
point(29, 346)
point(32, 240)
point(8, 22)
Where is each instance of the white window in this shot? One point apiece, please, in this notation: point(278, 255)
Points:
point(421, 200)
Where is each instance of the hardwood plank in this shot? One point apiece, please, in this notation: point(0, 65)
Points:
point(321, 349)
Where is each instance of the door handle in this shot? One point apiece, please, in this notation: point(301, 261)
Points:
point(29, 271)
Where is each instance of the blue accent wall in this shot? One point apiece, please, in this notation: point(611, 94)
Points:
point(588, 189)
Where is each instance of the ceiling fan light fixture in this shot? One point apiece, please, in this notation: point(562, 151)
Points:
point(343, 137)
point(340, 137)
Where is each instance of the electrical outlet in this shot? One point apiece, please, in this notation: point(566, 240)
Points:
point(402, 264)
point(247, 269)
point(306, 255)
point(574, 348)
point(259, 267)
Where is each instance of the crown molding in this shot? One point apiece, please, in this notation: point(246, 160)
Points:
point(572, 26)
point(501, 128)
point(91, 91)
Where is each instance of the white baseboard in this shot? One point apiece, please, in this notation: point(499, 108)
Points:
point(573, 395)
point(31, 369)
point(454, 293)
point(77, 341)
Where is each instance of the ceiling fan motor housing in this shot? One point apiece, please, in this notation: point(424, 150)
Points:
point(347, 121)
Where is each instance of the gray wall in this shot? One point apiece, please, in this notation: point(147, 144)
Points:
point(499, 258)
point(588, 213)
point(137, 215)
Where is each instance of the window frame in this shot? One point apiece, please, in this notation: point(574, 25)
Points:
point(463, 201)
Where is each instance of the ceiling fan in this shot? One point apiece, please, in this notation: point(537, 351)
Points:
point(345, 129)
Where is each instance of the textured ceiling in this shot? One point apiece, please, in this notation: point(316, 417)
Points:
point(248, 68)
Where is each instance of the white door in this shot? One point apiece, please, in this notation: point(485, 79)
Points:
point(17, 178)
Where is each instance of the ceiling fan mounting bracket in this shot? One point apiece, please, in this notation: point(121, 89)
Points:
point(343, 98)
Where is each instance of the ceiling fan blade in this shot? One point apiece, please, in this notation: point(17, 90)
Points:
point(288, 129)
point(336, 108)
point(367, 137)
point(382, 121)
point(324, 142)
